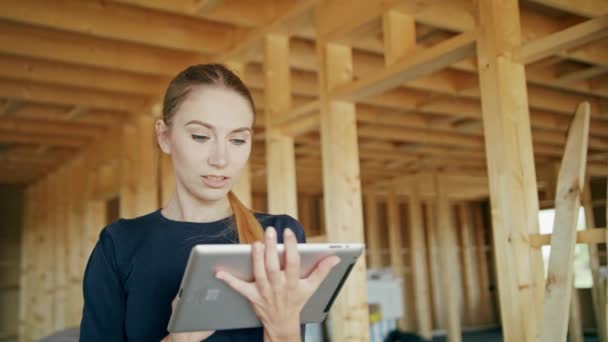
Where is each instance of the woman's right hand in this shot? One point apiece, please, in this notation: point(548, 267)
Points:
point(193, 336)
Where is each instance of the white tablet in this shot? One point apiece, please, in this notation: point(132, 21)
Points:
point(207, 303)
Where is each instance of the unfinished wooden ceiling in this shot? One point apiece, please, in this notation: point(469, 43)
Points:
point(71, 70)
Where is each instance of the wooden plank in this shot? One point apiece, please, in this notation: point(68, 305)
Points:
point(120, 22)
point(422, 63)
point(448, 257)
point(510, 160)
point(575, 325)
point(371, 231)
point(25, 279)
point(395, 246)
point(21, 125)
point(434, 263)
point(577, 35)
point(61, 244)
point(420, 268)
point(280, 156)
point(554, 324)
point(342, 188)
point(399, 35)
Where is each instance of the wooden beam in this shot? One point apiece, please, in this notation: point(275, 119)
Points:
point(587, 236)
point(420, 267)
point(342, 187)
point(30, 126)
point(119, 22)
point(577, 35)
point(44, 43)
point(558, 290)
point(471, 280)
point(423, 62)
point(54, 94)
point(434, 264)
point(129, 170)
point(280, 155)
point(234, 12)
point(486, 309)
point(37, 139)
point(44, 71)
point(510, 163)
point(584, 8)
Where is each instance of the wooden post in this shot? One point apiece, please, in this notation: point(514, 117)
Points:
point(399, 35)
point(597, 290)
point(554, 324)
point(371, 232)
point(420, 267)
point(128, 171)
point(280, 155)
point(433, 254)
point(26, 281)
point(447, 250)
point(242, 188)
point(342, 187)
point(77, 189)
point(147, 178)
point(575, 327)
point(471, 281)
point(61, 243)
point(510, 161)
point(395, 249)
point(167, 179)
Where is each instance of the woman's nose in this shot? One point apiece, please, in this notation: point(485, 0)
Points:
point(218, 156)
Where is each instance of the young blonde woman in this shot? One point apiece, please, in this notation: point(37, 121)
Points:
point(135, 270)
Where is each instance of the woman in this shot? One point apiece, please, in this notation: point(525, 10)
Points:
point(136, 267)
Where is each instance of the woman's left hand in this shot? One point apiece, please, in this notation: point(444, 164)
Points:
point(277, 295)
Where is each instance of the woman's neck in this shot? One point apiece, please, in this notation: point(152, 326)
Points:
point(184, 207)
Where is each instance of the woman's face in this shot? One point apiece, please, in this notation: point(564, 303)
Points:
point(209, 141)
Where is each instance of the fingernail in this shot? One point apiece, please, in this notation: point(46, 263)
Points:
point(288, 232)
point(270, 232)
point(219, 275)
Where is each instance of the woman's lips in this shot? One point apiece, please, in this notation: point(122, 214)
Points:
point(216, 182)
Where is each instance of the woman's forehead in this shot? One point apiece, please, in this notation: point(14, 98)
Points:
point(218, 106)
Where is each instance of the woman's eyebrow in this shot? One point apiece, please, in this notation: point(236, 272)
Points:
point(198, 122)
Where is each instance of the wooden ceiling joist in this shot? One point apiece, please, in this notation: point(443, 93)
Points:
point(32, 126)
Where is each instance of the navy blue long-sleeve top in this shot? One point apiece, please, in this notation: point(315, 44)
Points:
point(135, 271)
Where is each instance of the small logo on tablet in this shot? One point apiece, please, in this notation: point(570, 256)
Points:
point(212, 294)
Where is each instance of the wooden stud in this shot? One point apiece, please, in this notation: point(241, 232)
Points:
point(575, 324)
point(471, 281)
point(147, 195)
point(449, 278)
point(598, 284)
point(129, 169)
point(510, 161)
point(420, 267)
point(342, 188)
point(434, 263)
point(280, 156)
point(395, 245)
point(554, 324)
point(486, 312)
point(371, 232)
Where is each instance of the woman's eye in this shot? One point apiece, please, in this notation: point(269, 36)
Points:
point(239, 141)
point(199, 137)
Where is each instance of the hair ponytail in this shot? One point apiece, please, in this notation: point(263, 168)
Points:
point(248, 228)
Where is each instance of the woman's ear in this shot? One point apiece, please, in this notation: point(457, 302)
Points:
point(162, 136)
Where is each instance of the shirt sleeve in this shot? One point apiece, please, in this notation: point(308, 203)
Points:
point(104, 296)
